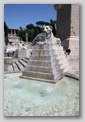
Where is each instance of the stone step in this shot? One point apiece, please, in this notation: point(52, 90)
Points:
point(24, 60)
point(27, 58)
point(46, 46)
point(39, 63)
point(40, 49)
point(20, 65)
point(39, 79)
point(47, 57)
point(39, 69)
point(38, 75)
point(41, 58)
point(40, 52)
point(19, 68)
point(15, 68)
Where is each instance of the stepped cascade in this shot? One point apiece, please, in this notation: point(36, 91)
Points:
point(47, 63)
point(14, 65)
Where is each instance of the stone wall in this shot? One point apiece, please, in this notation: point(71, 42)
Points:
point(74, 26)
point(63, 21)
point(68, 32)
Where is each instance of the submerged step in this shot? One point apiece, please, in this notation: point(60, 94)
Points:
point(39, 69)
point(38, 75)
point(39, 79)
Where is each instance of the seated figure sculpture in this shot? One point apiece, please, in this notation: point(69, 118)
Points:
point(49, 34)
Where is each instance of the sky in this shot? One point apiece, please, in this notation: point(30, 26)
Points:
point(20, 15)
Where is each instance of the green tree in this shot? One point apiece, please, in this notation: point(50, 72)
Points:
point(30, 26)
point(20, 28)
point(53, 24)
point(41, 23)
point(22, 33)
point(6, 31)
point(30, 34)
point(37, 30)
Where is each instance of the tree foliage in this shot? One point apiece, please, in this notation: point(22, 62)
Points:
point(30, 33)
point(53, 24)
point(42, 23)
point(33, 31)
point(6, 31)
point(22, 34)
point(30, 26)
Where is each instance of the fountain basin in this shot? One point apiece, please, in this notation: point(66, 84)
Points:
point(23, 97)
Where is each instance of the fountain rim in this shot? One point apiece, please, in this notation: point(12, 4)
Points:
point(67, 74)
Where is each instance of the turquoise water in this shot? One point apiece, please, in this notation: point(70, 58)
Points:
point(23, 97)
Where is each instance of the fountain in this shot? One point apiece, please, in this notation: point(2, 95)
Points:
point(47, 62)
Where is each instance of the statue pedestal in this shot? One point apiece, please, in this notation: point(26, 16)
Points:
point(46, 63)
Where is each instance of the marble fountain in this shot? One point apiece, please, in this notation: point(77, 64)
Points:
point(26, 95)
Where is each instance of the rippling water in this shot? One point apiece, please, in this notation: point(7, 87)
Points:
point(23, 97)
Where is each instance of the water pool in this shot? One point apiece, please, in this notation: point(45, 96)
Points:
point(23, 97)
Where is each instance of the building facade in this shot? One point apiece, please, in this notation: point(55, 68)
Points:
point(68, 32)
point(13, 37)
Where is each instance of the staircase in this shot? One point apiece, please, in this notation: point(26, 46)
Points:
point(16, 65)
point(47, 63)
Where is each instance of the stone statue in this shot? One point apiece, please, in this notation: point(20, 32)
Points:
point(49, 34)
